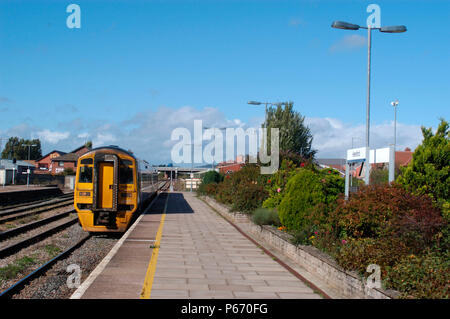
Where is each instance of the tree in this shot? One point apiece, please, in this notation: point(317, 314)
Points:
point(429, 170)
point(88, 144)
point(294, 135)
point(18, 149)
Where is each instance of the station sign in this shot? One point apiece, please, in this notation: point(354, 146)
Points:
point(380, 155)
point(356, 154)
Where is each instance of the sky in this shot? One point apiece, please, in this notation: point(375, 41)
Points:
point(136, 70)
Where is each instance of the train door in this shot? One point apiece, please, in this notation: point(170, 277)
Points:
point(106, 185)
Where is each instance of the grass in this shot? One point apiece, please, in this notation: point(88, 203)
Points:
point(12, 270)
point(52, 250)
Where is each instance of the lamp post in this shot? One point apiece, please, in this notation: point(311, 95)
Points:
point(265, 117)
point(395, 104)
point(28, 169)
point(389, 29)
point(265, 103)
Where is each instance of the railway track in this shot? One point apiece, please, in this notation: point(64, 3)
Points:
point(13, 214)
point(18, 246)
point(18, 286)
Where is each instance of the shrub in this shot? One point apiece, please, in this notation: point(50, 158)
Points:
point(357, 254)
point(425, 276)
point(244, 189)
point(304, 191)
point(429, 170)
point(376, 211)
point(277, 185)
point(248, 197)
point(212, 177)
point(264, 216)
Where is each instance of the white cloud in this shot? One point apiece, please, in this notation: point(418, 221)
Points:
point(332, 137)
point(52, 137)
point(83, 135)
point(102, 139)
point(349, 42)
point(148, 133)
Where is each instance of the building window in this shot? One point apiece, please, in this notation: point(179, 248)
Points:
point(61, 164)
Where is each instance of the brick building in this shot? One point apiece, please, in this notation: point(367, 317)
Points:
point(68, 160)
point(44, 163)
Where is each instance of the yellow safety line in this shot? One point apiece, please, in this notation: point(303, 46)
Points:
point(148, 282)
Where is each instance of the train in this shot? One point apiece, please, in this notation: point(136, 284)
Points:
point(111, 187)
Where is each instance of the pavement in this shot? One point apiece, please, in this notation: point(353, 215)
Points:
point(17, 188)
point(181, 248)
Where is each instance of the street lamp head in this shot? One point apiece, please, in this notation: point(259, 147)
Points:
point(394, 103)
point(254, 103)
point(394, 29)
point(344, 25)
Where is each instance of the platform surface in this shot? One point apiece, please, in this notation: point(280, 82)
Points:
point(200, 255)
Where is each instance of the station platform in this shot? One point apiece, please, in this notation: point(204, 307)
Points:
point(15, 194)
point(180, 248)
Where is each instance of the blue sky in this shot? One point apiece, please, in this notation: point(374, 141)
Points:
point(134, 64)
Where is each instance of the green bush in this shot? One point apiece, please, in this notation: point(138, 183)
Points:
point(357, 254)
point(304, 191)
point(276, 184)
point(210, 177)
point(244, 189)
point(248, 197)
point(264, 216)
point(429, 170)
point(425, 276)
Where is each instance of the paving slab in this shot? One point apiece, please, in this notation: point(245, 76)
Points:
point(200, 255)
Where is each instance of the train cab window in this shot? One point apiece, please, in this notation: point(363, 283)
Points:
point(85, 174)
point(87, 161)
point(125, 172)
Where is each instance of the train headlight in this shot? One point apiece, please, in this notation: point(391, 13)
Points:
point(84, 193)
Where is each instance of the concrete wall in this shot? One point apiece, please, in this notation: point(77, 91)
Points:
point(326, 273)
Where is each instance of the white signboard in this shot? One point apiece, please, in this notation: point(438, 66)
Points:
point(380, 155)
point(356, 154)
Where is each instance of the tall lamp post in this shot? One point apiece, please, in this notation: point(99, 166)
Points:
point(28, 169)
point(265, 103)
point(395, 104)
point(389, 29)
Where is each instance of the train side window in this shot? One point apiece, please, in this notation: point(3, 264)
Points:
point(125, 175)
point(85, 174)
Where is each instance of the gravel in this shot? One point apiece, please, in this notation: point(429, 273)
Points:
point(53, 284)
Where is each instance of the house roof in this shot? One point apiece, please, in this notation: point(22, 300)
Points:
point(8, 164)
point(69, 157)
point(402, 158)
point(62, 153)
point(79, 148)
point(331, 161)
